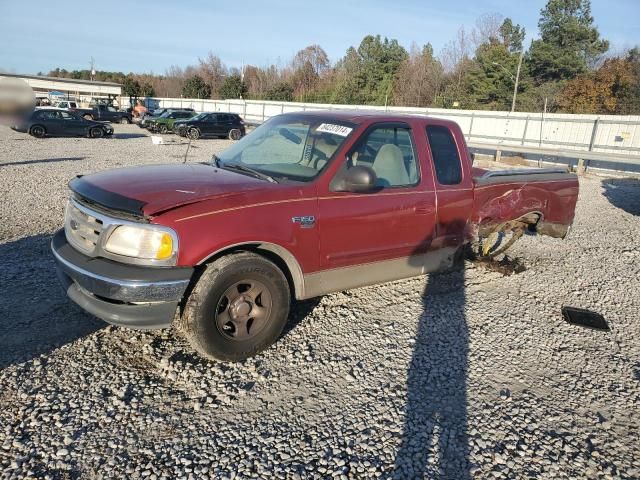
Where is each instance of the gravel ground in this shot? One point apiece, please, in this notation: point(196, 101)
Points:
point(469, 374)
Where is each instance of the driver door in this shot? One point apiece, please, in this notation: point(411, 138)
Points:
point(381, 235)
point(71, 125)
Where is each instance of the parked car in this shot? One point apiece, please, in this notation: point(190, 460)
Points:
point(164, 123)
point(68, 104)
point(233, 241)
point(104, 113)
point(158, 113)
point(207, 125)
point(57, 122)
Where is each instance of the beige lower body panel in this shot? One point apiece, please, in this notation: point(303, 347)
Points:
point(346, 278)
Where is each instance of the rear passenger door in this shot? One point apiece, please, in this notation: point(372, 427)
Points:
point(208, 125)
point(453, 183)
point(50, 120)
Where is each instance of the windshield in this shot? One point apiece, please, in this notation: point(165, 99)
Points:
point(289, 148)
point(199, 116)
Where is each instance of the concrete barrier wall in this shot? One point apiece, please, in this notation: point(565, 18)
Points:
point(598, 133)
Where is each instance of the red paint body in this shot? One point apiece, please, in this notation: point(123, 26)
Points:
point(212, 209)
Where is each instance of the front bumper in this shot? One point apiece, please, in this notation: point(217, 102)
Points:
point(124, 295)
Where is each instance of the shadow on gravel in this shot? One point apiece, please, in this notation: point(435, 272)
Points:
point(35, 315)
point(623, 193)
point(126, 136)
point(46, 160)
point(434, 439)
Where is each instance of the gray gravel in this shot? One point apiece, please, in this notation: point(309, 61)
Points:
point(458, 375)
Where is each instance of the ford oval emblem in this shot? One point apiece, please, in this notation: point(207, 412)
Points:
point(73, 224)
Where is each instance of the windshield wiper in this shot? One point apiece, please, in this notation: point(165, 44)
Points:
point(243, 168)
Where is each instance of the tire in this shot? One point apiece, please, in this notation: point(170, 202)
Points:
point(124, 120)
point(218, 318)
point(37, 131)
point(163, 128)
point(193, 133)
point(96, 132)
point(235, 134)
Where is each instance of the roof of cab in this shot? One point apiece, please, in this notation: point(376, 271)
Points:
point(361, 116)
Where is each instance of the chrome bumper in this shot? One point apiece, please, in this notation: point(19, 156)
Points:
point(124, 295)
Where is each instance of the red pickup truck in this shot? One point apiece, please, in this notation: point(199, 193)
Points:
point(307, 204)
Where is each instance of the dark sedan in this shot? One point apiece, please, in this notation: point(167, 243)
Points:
point(211, 125)
point(55, 122)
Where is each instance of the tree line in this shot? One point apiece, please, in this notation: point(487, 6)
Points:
point(567, 69)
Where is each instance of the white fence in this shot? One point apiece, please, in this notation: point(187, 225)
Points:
point(597, 133)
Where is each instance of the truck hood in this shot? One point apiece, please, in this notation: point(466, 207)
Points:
point(149, 190)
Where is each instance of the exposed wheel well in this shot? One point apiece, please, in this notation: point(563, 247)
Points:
point(294, 278)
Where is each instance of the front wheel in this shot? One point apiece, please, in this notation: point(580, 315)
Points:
point(124, 120)
point(163, 128)
point(235, 134)
point(238, 307)
point(96, 132)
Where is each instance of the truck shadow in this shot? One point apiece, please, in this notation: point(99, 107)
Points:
point(623, 193)
point(434, 439)
point(35, 315)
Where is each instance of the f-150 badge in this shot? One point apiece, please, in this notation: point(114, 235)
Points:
point(307, 221)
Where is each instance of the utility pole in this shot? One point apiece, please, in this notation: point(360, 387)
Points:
point(515, 79)
point(92, 63)
point(515, 87)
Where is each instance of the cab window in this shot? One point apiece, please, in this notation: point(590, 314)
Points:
point(444, 152)
point(390, 152)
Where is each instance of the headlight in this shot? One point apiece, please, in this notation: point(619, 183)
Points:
point(158, 245)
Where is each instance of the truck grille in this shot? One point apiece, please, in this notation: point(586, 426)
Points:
point(82, 228)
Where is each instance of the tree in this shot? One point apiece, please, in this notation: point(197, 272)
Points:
point(233, 87)
point(130, 87)
point(366, 75)
point(146, 90)
point(348, 79)
point(512, 35)
point(569, 41)
point(629, 94)
point(282, 92)
point(213, 71)
point(195, 87)
point(419, 78)
point(489, 81)
point(601, 91)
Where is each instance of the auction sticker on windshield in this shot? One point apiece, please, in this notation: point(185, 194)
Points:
point(335, 129)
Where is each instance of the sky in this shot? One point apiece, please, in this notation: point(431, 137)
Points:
point(149, 36)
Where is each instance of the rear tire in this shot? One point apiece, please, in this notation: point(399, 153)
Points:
point(124, 120)
point(96, 132)
point(37, 131)
point(239, 307)
point(235, 134)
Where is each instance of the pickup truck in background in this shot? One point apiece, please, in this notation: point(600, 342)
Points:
point(307, 204)
point(103, 113)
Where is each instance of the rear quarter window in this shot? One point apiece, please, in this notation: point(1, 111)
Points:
point(444, 151)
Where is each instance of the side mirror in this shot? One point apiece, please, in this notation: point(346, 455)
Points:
point(358, 179)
